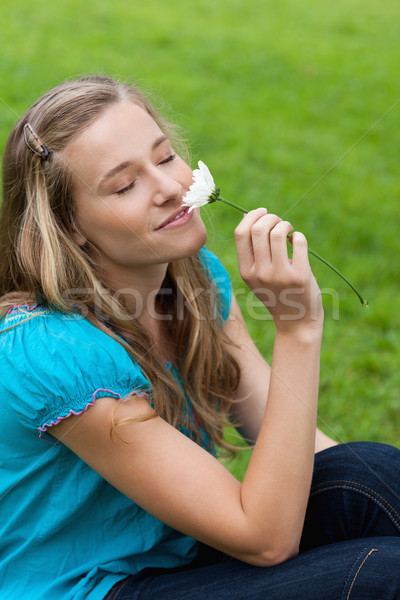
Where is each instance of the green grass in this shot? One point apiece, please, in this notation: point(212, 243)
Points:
point(294, 105)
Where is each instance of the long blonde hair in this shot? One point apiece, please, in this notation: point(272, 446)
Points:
point(40, 261)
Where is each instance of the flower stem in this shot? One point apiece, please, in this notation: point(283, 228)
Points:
point(361, 299)
point(232, 204)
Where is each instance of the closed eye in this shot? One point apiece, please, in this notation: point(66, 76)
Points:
point(125, 189)
point(167, 160)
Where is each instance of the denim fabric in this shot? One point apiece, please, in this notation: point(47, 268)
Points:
point(350, 548)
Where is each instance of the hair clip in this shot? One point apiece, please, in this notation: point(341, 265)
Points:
point(40, 149)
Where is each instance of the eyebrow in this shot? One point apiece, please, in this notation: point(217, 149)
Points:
point(129, 163)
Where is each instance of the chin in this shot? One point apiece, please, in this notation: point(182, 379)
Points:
point(199, 238)
point(190, 244)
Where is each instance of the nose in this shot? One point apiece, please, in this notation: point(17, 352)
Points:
point(166, 188)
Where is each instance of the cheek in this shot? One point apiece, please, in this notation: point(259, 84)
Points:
point(115, 235)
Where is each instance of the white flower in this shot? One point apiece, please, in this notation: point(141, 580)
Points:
point(203, 189)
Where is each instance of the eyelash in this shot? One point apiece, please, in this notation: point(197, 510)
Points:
point(167, 160)
point(131, 185)
point(125, 189)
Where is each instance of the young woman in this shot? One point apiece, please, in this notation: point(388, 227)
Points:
point(121, 344)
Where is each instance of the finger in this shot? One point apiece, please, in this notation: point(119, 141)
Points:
point(300, 251)
point(260, 234)
point(244, 245)
point(278, 242)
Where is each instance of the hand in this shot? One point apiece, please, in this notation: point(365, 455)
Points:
point(285, 286)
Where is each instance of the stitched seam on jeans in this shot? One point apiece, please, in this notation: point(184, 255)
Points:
point(115, 590)
point(384, 508)
point(120, 589)
point(361, 485)
point(358, 571)
point(360, 488)
point(356, 483)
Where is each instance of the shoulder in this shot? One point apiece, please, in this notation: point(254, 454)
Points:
point(27, 328)
point(53, 364)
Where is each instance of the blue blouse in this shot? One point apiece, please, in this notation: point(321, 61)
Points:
point(65, 532)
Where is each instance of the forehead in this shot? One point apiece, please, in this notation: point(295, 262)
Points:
point(125, 131)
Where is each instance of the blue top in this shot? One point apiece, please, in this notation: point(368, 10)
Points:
point(65, 532)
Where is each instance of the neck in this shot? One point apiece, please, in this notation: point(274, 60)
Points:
point(138, 288)
point(138, 292)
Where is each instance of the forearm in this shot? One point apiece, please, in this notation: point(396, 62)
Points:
point(278, 477)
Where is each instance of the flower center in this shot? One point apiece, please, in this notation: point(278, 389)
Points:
point(215, 195)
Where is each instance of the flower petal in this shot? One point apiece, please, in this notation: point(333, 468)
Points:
point(207, 177)
point(202, 188)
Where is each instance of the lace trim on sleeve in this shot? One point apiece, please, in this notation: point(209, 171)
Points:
point(43, 430)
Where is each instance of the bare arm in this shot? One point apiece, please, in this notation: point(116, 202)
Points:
point(259, 521)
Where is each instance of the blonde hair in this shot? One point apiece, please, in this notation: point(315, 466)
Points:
point(40, 261)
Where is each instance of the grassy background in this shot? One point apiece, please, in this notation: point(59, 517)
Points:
point(294, 105)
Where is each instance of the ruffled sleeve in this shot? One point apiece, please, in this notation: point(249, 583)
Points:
point(55, 365)
point(220, 278)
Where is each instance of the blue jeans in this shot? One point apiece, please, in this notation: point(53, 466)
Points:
point(350, 548)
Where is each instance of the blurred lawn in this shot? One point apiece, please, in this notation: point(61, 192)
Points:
point(294, 105)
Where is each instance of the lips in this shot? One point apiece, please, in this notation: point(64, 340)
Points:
point(180, 212)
